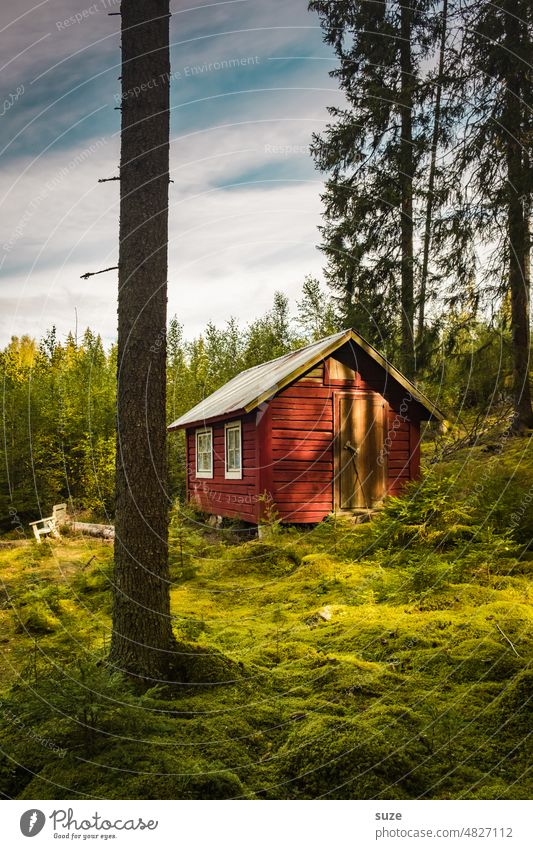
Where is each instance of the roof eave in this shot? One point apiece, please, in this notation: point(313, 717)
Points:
point(207, 420)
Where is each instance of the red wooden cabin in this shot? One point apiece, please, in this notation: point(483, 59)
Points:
point(330, 427)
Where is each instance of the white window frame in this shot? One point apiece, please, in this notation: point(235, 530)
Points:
point(199, 431)
point(232, 474)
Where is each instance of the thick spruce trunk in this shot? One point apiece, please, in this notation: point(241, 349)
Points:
point(517, 229)
point(142, 635)
point(406, 177)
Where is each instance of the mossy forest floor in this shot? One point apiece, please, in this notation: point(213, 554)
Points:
point(386, 660)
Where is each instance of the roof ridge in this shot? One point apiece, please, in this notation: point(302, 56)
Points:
point(295, 351)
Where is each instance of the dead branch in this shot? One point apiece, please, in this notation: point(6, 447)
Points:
point(480, 428)
point(94, 273)
point(508, 640)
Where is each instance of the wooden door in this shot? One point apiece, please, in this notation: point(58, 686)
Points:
point(360, 455)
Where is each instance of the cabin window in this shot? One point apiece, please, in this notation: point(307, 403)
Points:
point(233, 440)
point(204, 453)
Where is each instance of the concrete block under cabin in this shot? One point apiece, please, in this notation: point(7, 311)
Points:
point(332, 427)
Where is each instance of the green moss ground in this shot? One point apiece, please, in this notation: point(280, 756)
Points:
point(390, 660)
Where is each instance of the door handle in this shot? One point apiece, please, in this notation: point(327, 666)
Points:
point(349, 447)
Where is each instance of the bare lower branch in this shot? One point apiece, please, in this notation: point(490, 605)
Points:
point(94, 273)
point(507, 638)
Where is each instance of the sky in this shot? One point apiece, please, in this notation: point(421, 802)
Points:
point(250, 84)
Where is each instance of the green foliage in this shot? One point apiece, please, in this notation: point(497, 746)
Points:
point(424, 573)
point(59, 424)
point(266, 558)
point(37, 618)
point(98, 474)
point(513, 709)
point(270, 519)
point(316, 313)
point(426, 512)
point(96, 579)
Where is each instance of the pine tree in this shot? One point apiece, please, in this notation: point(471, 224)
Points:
point(142, 638)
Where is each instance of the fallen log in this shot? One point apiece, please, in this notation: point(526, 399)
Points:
point(93, 530)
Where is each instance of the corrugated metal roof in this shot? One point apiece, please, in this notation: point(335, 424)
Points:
point(250, 388)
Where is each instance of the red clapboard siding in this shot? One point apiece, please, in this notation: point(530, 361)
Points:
point(396, 424)
point(306, 417)
point(313, 393)
point(296, 490)
point(307, 422)
point(403, 457)
point(301, 435)
point(414, 470)
point(395, 466)
point(287, 475)
point(296, 467)
point(306, 456)
point(301, 439)
point(398, 450)
point(285, 505)
point(219, 495)
point(303, 514)
point(302, 407)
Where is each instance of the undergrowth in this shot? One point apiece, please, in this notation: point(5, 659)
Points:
point(385, 660)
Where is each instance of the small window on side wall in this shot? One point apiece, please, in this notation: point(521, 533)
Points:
point(204, 453)
point(233, 450)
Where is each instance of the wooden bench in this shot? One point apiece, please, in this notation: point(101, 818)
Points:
point(51, 524)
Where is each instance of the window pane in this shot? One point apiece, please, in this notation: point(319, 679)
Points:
point(203, 451)
point(233, 449)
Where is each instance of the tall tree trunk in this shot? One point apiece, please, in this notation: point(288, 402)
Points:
point(431, 180)
point(142, 634)
point(406, 181)
point(517, 229)
point(527, 223)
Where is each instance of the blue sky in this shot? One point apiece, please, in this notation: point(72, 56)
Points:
point(250, 85)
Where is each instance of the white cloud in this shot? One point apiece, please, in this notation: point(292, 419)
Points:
point(231, 246)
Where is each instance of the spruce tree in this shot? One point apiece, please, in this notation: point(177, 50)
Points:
point(380, 155)
point(494, 160)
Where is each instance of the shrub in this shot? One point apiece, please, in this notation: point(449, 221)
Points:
point(36, 618)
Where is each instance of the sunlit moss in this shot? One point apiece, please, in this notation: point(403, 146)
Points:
point(384, 660)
